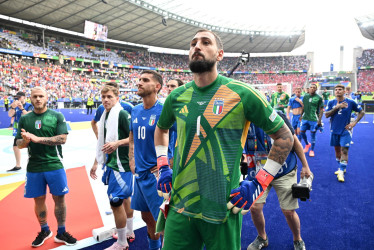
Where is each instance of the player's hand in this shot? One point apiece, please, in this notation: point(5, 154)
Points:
point(25, 136)
point(109, 147)
point(19, 105)
point(244, 196)
point(93, 171)
point(288, 117)
point(350, 126)
point(165, 175)
point(342, 105)
point(33, 137)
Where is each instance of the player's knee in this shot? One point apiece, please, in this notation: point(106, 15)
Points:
point(116, 202)
point(256, 209)
point(289, 213)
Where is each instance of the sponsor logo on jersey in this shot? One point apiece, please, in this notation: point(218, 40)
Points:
point(184, 110)
point(218, 107)
point(136, 120)
point(273, 116)
point(144, 118)
point(152, 120)
point(38, 124)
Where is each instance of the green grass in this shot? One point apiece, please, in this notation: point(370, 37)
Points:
point(6, 131)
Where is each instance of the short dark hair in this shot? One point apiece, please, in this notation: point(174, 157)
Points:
point(113, 84)
point(279, 83)
point(339, 86)
point(179, 81)
point(155, 75)
point(218, 39)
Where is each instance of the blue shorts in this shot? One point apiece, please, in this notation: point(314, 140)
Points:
point(295, 121)
point(343, 140)
point(36, 183)
point(308, 125)
point(145, 196)
point(120, 184)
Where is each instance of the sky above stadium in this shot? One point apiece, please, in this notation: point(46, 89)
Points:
point(329, 24)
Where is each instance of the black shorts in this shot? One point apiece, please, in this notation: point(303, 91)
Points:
point(15, 142)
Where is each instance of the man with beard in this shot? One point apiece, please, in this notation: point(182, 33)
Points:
point(213, 114)
point(43, 131)
point(142, 154)
point(311, 118)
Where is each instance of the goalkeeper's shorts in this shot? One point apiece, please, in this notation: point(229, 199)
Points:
point(183, 232)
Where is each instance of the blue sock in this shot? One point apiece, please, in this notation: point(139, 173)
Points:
point(154, 244)
point(303, 135)
point(343, 165)
point(45, 227)
point(313, 139)
point(61, 230)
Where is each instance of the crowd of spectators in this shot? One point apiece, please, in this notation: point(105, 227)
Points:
point(365, 80)
point(367, 58)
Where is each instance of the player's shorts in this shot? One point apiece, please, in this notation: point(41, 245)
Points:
point(36, 183)
point(343, 140)
point(146, 198)
point(295, 121)
point(120, 184)
point(15, 142)
point(308, 125)
point(283, 188)
point(183, 232)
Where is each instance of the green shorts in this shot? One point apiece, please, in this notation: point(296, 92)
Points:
point(183, 232)
point(283, 188)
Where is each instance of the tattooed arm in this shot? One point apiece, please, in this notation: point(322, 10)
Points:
point(51, 141)
point(282, 145)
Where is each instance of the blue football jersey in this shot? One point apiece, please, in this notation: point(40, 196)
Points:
point(17, 115)
point(293, 103)
point(100, 110)
point(340, 119)
point(143, 125)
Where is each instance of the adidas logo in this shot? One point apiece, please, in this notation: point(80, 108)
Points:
point(184, 110)
point(65, 190)
point(136, 120)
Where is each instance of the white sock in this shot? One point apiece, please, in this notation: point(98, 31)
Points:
point(122, 240)
point(129, 226)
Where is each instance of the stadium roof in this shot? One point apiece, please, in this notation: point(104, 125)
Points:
point(366, 25)
point(139, 22)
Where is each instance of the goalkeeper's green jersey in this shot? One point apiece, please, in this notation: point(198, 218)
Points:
point(43, 157)
point(212, 126)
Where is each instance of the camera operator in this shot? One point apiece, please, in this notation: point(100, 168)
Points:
point(256, 145)
point(18, 108)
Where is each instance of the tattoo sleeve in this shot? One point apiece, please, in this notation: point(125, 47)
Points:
point(131, 146)
point(60, 209)
point(283, 143)
point(52, 141)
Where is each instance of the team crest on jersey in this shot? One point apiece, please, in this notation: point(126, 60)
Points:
point(218, 107)
point(152, 120)
point(38, 124)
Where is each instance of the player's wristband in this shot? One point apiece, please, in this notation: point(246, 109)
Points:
point(161, 153)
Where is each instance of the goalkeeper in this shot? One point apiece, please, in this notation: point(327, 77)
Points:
point(213, 114)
